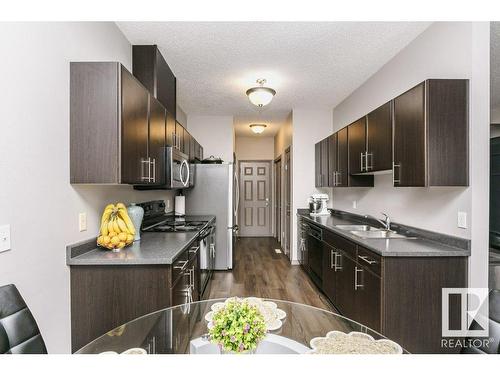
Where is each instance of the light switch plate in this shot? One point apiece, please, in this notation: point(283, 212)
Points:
point(354, 204)
point(4, 238)
point(82, 222)
point(462, 220)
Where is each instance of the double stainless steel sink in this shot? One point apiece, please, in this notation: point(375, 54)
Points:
point(369, 232)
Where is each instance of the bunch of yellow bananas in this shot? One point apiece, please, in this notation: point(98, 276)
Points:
point(117, 230)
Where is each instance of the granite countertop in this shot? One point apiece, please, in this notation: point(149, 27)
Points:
point(415, 247)
point(153, 248)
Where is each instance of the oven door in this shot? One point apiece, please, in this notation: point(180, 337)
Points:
point(206, 262)
point(178, 169)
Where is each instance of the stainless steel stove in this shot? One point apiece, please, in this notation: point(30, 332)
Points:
point(156, 220)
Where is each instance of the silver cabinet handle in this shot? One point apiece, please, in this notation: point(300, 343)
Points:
point(361, 161)
point(367, 260)
point(394, 179)
point(356, 285)
point(191, 277)
point(338, 265)
point(146, 161)
point(182, 265)
point(194, 249)
point(154, 169)
point(149, 169)
point(333, 260)
point(368, 167)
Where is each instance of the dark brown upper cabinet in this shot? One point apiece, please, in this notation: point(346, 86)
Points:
point(378, 156)
point(151, 69)
point(332, 163)
point(333, 170)
point(134, 130)
point(317, 164)
point(321, 163)
point(170, 130)
point(180, 138)
point(357, 146)
point(342, 159)
point(117, 130)
point(370, 142)
point(157, 140)
point(431, 134)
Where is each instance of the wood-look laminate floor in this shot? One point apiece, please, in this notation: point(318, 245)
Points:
point(259, 271)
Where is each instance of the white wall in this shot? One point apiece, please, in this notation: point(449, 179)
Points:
point(444, 50)
point(215, 134)
point(36, 198)
point(254, 148)
point(309, 127)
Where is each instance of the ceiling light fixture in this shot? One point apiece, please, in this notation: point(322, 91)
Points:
point(258, 128)
point(260, 95)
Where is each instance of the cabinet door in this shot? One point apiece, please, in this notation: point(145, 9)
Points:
point(179, 136)
point(330, 256)
point(317, 164)
point(342, 158)
point(192, 146)
point(344, 281)
point(134, 130)
point(200, 155)
point(324, 162)
point(315, 259)
point(180, 316)
point(368, 298)
point(379, 138)
point(332, 160)
point(166, 84)
point(305, 254)
point(157, 118)
point(170, 129)
point(357, 146)
point(409, 138)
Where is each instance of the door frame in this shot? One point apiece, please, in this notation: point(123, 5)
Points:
point(271, 195)
point(289, 237)
point(277, 201)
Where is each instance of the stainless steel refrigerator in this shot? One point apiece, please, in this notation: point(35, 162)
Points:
point(216, 192)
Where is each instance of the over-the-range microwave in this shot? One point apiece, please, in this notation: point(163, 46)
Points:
point(178, 172)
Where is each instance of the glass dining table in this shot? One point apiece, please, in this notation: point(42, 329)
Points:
point(183, 330)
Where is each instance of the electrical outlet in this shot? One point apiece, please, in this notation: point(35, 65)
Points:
point(462, 220)
point(82, 222)
point(354, 204)
point(4, 238)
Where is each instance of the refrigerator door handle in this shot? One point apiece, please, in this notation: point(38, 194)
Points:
point(237, 187)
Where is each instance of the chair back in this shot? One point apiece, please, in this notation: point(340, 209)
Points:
point(19, 333)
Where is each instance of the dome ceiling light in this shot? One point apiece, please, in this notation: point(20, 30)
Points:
point(258, 128)
point(260, 95)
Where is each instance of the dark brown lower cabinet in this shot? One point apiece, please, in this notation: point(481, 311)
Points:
point(344, 292)
point(367, 288)
point(105, 297)
point(329, 272)
point(180, 317)
point(399, 297)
